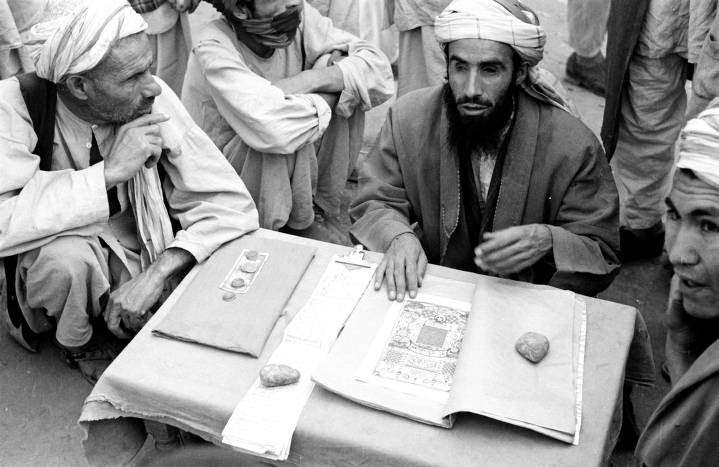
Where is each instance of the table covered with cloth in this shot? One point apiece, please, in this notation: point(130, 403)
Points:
point(196, 388)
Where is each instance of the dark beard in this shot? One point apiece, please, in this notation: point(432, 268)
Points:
point(467, 134)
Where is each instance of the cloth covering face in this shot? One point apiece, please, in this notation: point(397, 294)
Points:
point(291, 150)
point(554, 173)
point(81, 40)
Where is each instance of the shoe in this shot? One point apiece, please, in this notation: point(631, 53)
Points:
point(589, 73)
point(636, 244)
point(94, 357)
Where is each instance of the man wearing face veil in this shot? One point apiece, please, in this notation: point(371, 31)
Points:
point(283, 94)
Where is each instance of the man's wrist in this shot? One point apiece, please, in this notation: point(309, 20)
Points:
point(170, 262)
point(546, 238)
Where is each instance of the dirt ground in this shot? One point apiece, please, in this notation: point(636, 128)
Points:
point(40, 397)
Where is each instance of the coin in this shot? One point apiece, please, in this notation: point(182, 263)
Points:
point(229, 296)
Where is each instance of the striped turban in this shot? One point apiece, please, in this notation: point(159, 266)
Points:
point(699, 145)
point(506, 21)
point(79, 41)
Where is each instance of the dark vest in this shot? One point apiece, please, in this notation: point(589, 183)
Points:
point(40, 98)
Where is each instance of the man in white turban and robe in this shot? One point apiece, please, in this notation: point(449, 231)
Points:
point(91, 233)
point(683, 429)
point(490, 172)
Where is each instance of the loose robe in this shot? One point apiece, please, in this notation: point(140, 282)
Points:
point(203, 192)
point(683, 429)
point(268, 136)
point(554, 173)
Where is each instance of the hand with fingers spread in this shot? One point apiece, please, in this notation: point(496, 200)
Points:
point(137, 143)
point(513, 249)
point(402, 267)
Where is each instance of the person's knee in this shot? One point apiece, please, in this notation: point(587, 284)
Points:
point(62, 260)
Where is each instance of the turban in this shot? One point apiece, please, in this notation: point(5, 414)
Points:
point(511, 23)
point(79, 41)
point(514, 25)
point(699, 145)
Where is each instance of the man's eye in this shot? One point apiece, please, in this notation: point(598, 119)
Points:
point(490, 70)
point(709, 226)
point(460, 66)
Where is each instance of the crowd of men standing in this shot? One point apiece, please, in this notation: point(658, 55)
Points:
point(133, 146)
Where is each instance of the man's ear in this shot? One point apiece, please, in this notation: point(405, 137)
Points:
point(77, 86)
point(522, 73)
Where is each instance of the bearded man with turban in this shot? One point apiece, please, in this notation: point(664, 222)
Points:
point(490, 172)
point(86, 235)
point(683, 429)
point(283, 93)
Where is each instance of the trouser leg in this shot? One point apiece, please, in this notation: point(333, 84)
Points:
point(64, 280)
point(587, 24)
point(651, 117)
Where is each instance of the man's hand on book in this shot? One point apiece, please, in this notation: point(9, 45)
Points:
point(402, 267)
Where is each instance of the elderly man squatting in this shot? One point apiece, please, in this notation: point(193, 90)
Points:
point(507, 170)
point(683, 428)
point(83, 211)
point(282, 93)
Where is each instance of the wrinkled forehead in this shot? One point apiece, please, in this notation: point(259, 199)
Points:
point(690, 193)
point(127, 56)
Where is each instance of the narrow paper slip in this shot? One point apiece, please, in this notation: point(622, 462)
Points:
point(265, 419)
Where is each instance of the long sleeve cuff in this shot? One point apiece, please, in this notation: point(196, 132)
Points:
point(574, 253)
point(94, 202)
point(324, 112)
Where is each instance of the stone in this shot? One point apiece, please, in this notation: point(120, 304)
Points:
point(278, 375)
point(238, 283)
point(251, 255)
point(229, 296)
point(533, 346)
point(250, 267)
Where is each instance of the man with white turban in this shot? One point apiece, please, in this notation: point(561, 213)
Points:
point(84, 214)
point(490, 172)
point(683, 429)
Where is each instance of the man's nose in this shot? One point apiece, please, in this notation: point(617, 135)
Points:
point(473, 86)
point(682, 246)
point(150, 86)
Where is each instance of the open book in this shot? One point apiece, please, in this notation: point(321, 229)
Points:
point(433, 357)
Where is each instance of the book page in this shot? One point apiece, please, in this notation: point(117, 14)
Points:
point(415, 352)
point(493, 379)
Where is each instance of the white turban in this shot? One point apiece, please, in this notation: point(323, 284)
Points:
point(81, 40)
point(699, 145)
point(517, 27)
point(487, 19)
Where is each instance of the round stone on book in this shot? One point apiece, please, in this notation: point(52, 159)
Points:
point(249, 267)
point(272, 375)
point(533, 346)
point(238, 283)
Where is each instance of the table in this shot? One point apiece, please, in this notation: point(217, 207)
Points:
point(196, 388)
